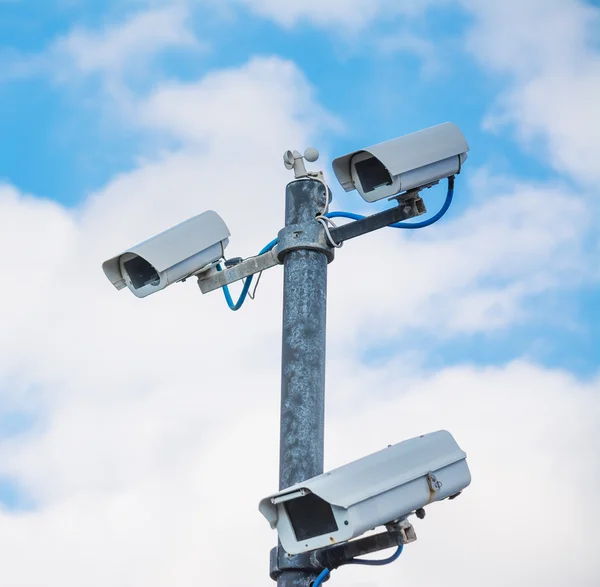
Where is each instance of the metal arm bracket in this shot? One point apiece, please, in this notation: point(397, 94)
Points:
point(332, 557)
point(306, 237)
point(408, 207)
point(215, 279)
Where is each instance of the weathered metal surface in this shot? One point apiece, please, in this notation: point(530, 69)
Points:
point(401, 532)
point(307, 236)
point(406, 209)
point(215, 279)
point(306, 233)
point(303, 355)
point(303, 344)
point(406, 531)
point(281, 561)
point(338, 555)
point(303, 367)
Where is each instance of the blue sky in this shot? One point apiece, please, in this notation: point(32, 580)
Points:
point(74, 150)
point(60, 144)
point(118, 119)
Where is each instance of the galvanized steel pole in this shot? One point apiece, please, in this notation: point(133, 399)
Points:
point(305, 257)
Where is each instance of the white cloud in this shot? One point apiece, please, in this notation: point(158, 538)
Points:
point(59, 301)
point(136, 39)
point(123, 48)
point(518, 424)
point(549, 51)
point(151, 413)
point(404, 40)
point(341, 14)
point(477, 273)
point(526, 431)
point(546, 49)
point(259, 101)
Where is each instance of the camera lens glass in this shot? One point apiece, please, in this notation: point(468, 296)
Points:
point(141, 273)
point(311, 516)
point(372, 174)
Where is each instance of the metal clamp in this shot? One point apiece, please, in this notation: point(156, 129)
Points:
point(405, 530)
point(308, 235)
point(214, 279)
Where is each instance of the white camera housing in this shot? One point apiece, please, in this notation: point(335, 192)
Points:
point(414, 161)
point(175, 254)
point(378, 489)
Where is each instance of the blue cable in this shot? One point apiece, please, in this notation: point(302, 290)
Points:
point(268, 247)
point(409, 225)
point(358, 561)
point(319, 580)
point(236, 306)
point(377, 563)
point(350, 215)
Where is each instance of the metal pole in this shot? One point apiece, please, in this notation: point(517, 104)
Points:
point(303, 349)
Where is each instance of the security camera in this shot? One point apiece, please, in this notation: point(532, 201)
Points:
point(173, 255)
point(376, 490)
point(414, 161)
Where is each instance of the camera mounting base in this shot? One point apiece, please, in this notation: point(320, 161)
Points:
point(332, 557)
